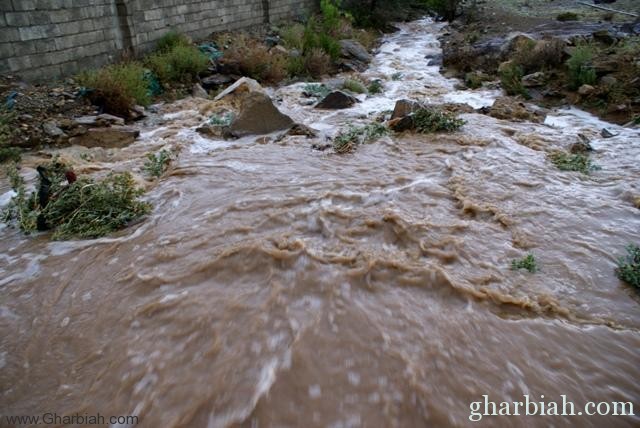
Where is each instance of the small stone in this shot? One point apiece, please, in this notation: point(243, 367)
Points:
point(607, 134)
point(86, 120)
point(586, 90)
point(534, 80)
point(112, 137)
point(215, 81)
point(609, 81)
point(111, 119)
point(52, 129)
point(199, 92)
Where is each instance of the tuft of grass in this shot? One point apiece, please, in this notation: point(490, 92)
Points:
point(117, 88)
point(428, 120)
point(375, 87)
point(249, 56)
point(581, 71)
point(293, 36)
point(171, 40)
point(511, 79)
point(181, 64)
point(157, 163)
point(567, 16)
point(317, 63)
point(348, 140)
point(84, 209)
point(223, 119)
point(528, 262)
point(397, 76)
point(354, 86)
point(628, 269)
point(579, 162)
point(473, 80)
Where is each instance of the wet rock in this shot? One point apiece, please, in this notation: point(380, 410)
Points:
point(209, 130)
point(259, 116)
point(215, 81)
point(508, 108)
point(582, 146)
point(243, 86)
point(336, 100)
point(353, 49)
point(137, 112)
point(404, 108)
point(609, 81)
point(52, 129)
point(534, 80)
point(280, 49)
point(86, 120)
point(112, 137)
point(110, 119)
point(302, 130)
point(199, 92)
point(607, 134)
point(586, 90)
point(352, 65)
point(401, 124)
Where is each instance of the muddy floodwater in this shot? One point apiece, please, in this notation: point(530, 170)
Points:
point(279, 286)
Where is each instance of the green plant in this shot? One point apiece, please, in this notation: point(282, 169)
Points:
point(511, 79)
point(10, 154)
point(581, 71)
point(473, 80)
point(293, 36)
point(117, 87)
point(182, 63)
point(397, 76)
point(448, 9)
point(171, 40)
point(157, 163)
point(375, 87)
point(83, 209)
point(354, 86)
point(579, 162)
point(567, 16)
point(431, 119)
point(223, 119)
point(317, 63)
point(528, 262)
point(347, 141)
point(316, 90)
point(628, 269)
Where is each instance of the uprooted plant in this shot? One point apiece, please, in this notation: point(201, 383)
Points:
point(432, 119)
point(528, 263)
point(628, 268)
point(83, 208)
point(348, 140)
point(157, 163)
point(579, 162)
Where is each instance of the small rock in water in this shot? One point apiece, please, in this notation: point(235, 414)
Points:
point(52, 129)
point(199, 92)
point(582, 146)
point(111, 119)
point(336, 100)
point(607, 134)
point(113, 137)
point(404, 108)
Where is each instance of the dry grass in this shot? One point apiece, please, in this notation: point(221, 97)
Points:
point(250, 57)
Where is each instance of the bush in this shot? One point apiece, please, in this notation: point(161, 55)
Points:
point(447, 9)
point(182, 63)
point(157, 163)
point(567, 16)
point(293, 36)
point(375, 87)
point(354, 86)
point(581, 71)
point(628, 268)
point(538, 56)
point(171, 40)
point(117, 88)
point(579, 162)
point(317, 63)
point(428, 120)
point(84, 209)
point(250, 57)
point(347, 141)
point(528, 263)
point(511, 79)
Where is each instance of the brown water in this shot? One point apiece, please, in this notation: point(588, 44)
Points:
point(278, 286)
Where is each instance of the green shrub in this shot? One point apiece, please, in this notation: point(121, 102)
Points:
point(316, 90)
point(579, 162)
point(84, 209)
point(473, 80)
point(171, 40)
point(375, 87)
point(183, 63)
point(117, 87)
point(567, 16)
point(354, 86)
point(581, 71)
point(348, 140)
point(317, 63)
point(316, 38)
point(293, 36)
point(628, 268)
point(511, 79)
point(250, 57)
point(10, 154)
point(528, 263)
point(157, 163)
point(448, 9)
point(428, 120)
point(397, 76)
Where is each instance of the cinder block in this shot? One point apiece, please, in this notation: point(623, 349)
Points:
point(17, 19)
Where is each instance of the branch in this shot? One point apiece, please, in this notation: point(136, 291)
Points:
point(608, 9)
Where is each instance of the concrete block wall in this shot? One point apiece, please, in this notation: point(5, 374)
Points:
point(48, 39)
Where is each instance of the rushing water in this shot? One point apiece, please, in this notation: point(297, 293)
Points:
point(275, 285)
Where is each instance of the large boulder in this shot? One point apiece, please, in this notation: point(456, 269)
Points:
point(336, 100)
point(353, 49)
point(245, 85)
point(259, 116)
point(112, 137)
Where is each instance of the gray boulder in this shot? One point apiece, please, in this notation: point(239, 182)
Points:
point(258, 116)
point(353, 49)
point(336, 100)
